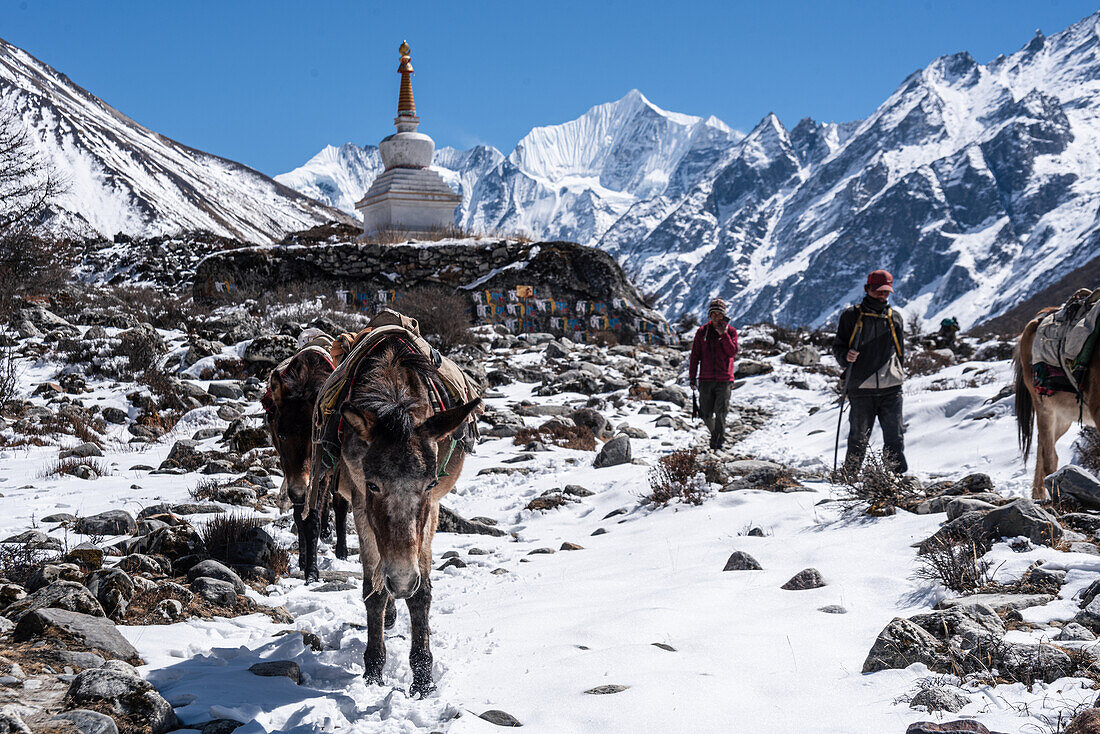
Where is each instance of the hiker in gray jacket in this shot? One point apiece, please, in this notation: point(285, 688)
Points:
point(870, 345)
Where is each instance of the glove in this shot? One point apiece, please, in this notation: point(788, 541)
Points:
point(693, 382)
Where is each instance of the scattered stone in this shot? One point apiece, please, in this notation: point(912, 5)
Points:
point(664, 646)
point(599, 531)
point(833, 609)
point(48, 573)
point(67, 595)
point(452, 522)
point(269, 349)
point(961, 505)
point(998, 602)
point(122, 693)
point(962, 726)
point(607, 689)
point(111, 522)
point(1022, 517)
point(219, 726)
point(215, 591)
point(614, 452)
point(452, 563)
point(541, 552)
point(59, 517)
point(751, 367)
point(278, 668)
point(567, 546)
point(805, 356)
point(86, 555)
point(224, 389)
point(113, 588)
point(93, 634)
point(1075, 482)
point(808, 578)
point(902, 643)
point(11, 722)
point(742, 561)
point(214, 570)
point(939, 698)
point(170, 609)
point(1074, 632)
point(500, 718)
point(84, 451)
point(35, 540)
point(1034, 662)
point(88, 722)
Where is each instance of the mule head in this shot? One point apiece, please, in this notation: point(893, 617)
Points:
point(289, 409)
point(393, 464)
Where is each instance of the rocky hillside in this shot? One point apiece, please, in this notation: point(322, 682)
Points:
point(124, 178)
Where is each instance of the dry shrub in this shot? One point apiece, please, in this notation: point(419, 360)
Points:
point(640, 392)
point(558, 433)
point(167, 389)
point(9, 374)
point(957, 563)
point(70, 464)
point(225, 368)
point(225, 533)
point(925, 362)
point(878, 489)
point(70, 423)
point(677, 476)
point(141, 347)
point(19, 562)
point(1086, 450)
point(443, 315)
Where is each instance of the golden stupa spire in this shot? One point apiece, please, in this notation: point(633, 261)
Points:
point(406, 106)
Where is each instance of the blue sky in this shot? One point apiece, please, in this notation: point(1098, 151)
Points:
point(270, 83)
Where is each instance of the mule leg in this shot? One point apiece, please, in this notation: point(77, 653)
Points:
point(340, 509)
point(420, 656)
point(391, 613)
point(1045, 456)
point(309, 531)
point(374, 657)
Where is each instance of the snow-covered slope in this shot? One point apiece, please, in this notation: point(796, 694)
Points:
point(975, 184)
point(123, 177)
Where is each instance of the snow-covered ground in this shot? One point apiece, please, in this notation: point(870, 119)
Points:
point(745, 655)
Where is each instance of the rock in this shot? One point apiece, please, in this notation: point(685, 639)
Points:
point(124, 694)
point(741, 561)
point(902, 643)
point(67, 595)
point(227, 389)
point(1075, 482)
point(11, 722)
point(591, 419)
point(940, 698)
point(48, 573)
point(1027, 663)
point(11, 593)
point(173, 542)
point(970, 484)
point(215, 591)
point(452, 522)
point(567, 546)
point(962, 726)
point(278, 668)
point(269, 350)
point(170, 609)
point(805, 356)
point(962, 505)
point(450, 563)
point(1022, 517)
point(83, 451)
point(219, 726)
point(115, 415)
point(35, 540)
point(113, 589)
point(254, 547)
point(606, 689)
point(808, 578)
point(92, 634)
point(1086, 722)
point(500, 718)
point(748, 466)
point(614, 452)
point(966, 525)
point(998, 602)
point(111, 522)
point(59, 517)
point(88, 722)
point(1074, 632)
point(1089, 616)
point(833, 609)
point(971, 621)
point(751, 367)
point(86, 555)
point(214, 570)
point(672, 394)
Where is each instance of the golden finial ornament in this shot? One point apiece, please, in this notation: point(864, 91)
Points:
point(406, 106)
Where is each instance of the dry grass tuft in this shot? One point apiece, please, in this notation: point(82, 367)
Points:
point(558, 433)
point(677, 476)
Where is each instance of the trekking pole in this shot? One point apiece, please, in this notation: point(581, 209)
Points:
point(694, 404)
point(840, 415)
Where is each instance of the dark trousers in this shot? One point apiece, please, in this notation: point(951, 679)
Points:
point(714, 405)
point(864, 410)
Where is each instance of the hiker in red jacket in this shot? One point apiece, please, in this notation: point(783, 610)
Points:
point(711, 367)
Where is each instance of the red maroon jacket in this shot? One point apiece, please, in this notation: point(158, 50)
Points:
point(712, 356)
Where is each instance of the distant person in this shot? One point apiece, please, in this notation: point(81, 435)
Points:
point(870, 346)
point(711, 368)
point(948, 329)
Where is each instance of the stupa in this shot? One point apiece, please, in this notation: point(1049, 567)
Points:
point(407, 198)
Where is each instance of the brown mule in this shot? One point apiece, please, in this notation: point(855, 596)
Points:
point(292, 390)
point(397, 460)
point(1049, 416)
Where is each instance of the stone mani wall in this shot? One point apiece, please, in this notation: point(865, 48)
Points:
point(557, 287)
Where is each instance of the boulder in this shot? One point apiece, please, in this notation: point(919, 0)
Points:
point(591, 419)
point(451, 522)
point(500, 718)
point(278, 668)
point(807, 578)
point(961, 505)
point(215, 591)
point(751, 367)
point(87, 633)
point(11, 722)
point(86, 555)
point(940, 698)
point(227, 389)
point(67, 595)
point(973, 621)
point(805, 356)
point(47, 573)
point(113, 589)
point(1028, 663)
point(122, 693)
point(1000, 603)
point(173, 542)
point(1075, 482)
point(902, 643)
point(212, 569)
point(741, 561)
point(1022, 517)
point(269, 350)
point(35, 540)
point(1074, 632)
point(88, 722)
point(111, 522)
point(614, 452)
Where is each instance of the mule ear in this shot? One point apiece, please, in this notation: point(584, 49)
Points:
point(298, 371)
point(441, 425)
point(361, 422)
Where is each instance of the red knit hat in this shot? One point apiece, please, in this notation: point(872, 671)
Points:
point(880, 280)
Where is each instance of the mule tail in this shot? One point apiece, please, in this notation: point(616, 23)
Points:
point(1025, 406)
